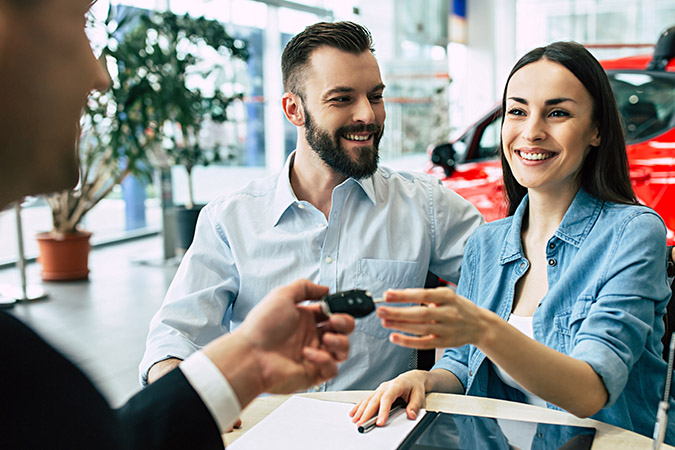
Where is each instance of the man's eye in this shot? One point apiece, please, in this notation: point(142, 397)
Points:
point(340, 99)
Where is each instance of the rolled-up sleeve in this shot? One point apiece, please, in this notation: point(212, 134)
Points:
point(194, 311)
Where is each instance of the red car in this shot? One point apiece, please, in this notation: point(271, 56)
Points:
point(644, 87)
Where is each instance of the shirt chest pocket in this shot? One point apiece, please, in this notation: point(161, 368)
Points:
point(567, 323)
point(378, 275)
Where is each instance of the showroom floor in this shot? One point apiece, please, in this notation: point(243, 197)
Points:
point(101, 323)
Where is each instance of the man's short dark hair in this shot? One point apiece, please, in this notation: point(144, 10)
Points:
point(346, 36)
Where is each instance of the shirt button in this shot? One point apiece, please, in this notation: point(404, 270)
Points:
point(317, 388)
point(551, 245)
point(470, 373)
point(329, 260)
point(522, 265)
point(552, 262)
point(301, 206)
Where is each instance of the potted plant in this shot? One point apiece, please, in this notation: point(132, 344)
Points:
point(189, 151)
point(153, 59)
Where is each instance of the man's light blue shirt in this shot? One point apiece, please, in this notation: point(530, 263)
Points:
point(607, 293)
point(383, 232)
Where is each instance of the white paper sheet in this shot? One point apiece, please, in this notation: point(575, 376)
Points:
point(308, 424)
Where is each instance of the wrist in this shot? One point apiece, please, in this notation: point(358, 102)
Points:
point(487, 329)
point(240, 363)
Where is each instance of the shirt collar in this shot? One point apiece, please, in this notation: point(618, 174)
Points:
point(284, 196)
point(575, 226)
point(368, 186)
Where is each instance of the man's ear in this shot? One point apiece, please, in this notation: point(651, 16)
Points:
point(293, 109)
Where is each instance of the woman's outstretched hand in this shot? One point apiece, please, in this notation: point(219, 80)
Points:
point(443, 319)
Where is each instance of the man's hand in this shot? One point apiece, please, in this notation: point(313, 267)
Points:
point(298, 346)
point(282, 347)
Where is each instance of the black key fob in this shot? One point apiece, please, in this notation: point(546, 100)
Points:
point(356, 303)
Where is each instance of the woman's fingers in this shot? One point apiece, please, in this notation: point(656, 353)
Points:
point(417, 328)
point(421, 343)
point(408, 314)
point(360, 412)
point(415, 402)
point(438, 295)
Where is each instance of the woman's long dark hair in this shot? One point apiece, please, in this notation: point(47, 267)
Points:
point(604, 173)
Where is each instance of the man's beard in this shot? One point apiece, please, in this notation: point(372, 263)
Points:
point(335, 156)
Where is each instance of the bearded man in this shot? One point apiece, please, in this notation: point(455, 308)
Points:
point(331, 216)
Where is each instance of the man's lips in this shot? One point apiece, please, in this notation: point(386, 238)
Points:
point(358, 137)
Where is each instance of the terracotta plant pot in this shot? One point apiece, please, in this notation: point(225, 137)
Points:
point(64, 257)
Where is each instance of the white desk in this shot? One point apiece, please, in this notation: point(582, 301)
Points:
point(607, 437)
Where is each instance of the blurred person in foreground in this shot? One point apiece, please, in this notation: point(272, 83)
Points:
point(47, 69)
point(561, 304)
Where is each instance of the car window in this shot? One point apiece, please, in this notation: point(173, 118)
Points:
point(646, 102)
point(461, 145)
point(488, 146)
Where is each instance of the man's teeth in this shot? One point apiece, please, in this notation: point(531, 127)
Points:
point(535, 156)
point(355, 137)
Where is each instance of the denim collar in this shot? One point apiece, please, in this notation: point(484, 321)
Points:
point(575, 226)
point(284, 196)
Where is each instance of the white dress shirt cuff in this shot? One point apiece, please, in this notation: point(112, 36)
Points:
point(213, 388)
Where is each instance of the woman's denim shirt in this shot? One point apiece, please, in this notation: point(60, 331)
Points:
point(607, 294)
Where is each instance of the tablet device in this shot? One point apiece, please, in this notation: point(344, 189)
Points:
point(445, 431)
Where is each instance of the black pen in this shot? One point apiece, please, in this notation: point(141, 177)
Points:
point(398, 406)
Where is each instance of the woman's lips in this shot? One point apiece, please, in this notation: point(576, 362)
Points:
point(535, 155)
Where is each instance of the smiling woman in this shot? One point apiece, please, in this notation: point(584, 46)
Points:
point(548, 128)
point(561, 304)
point(604, 172)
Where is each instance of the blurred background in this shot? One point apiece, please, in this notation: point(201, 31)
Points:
point(444, 63)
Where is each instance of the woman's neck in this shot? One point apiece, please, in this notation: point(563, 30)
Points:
point(546, 211)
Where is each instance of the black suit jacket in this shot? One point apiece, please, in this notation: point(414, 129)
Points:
point(47, 402)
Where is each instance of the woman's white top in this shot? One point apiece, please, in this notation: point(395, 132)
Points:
point(524, 325)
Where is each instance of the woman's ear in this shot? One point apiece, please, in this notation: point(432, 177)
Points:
point(595, 142)
point(293, 109)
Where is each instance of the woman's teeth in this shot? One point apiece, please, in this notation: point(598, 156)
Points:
point(536, 156)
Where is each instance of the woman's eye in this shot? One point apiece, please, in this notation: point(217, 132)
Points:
point(515, 112)
point(559, 113)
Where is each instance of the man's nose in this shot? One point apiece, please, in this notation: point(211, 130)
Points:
point(363, 112)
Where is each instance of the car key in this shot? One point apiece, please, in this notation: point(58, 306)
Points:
point(356, 303)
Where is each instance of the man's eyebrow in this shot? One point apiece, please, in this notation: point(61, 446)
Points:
point(379, 87)
point(348, 90)
point(549, 102)
point(338, 90)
